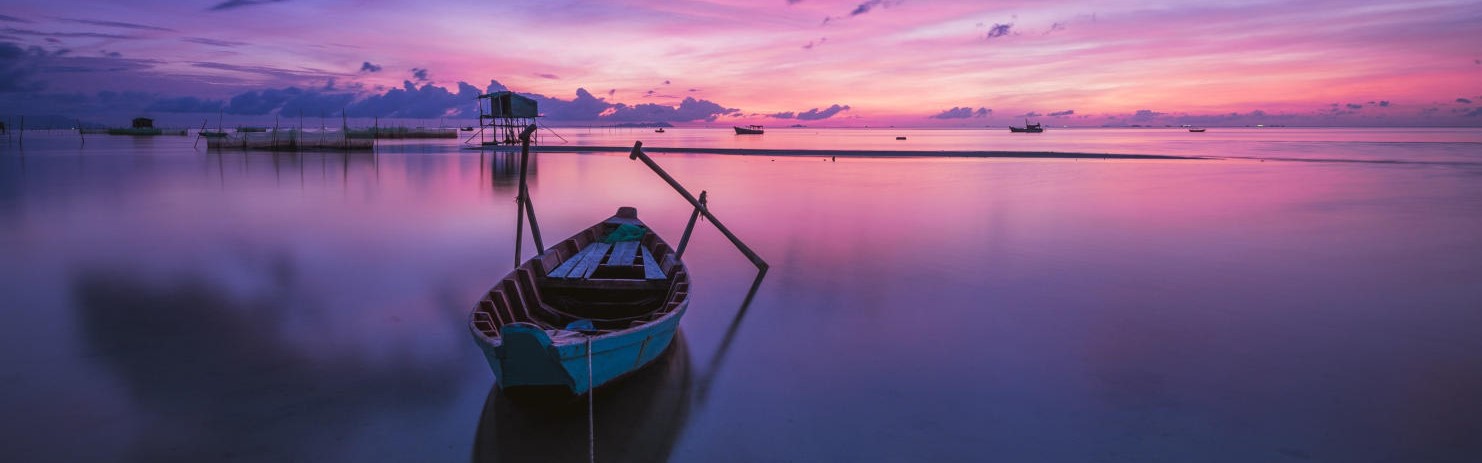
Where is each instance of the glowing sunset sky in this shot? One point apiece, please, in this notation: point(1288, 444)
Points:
point(950, 63)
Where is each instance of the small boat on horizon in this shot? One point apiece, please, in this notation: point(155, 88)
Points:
point(748, 130)
point(659, 130)
point(598, 306)
point(1197, 130)
point(1028, 128)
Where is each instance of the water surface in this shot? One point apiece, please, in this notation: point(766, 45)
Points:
point(165, 303)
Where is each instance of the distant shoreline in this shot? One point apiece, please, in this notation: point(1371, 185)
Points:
point(850, 153)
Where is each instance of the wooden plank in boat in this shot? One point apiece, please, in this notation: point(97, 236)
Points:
point(623, 253)
point(566, 268)
point(589, 262)
point(651, 268)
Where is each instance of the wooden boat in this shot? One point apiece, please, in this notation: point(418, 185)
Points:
point(748, 130)
point(1196, 130)
point(659, 130)
point(1028, 128)
point(586, 311)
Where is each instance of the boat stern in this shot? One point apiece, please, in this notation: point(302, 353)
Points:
point(526, 356)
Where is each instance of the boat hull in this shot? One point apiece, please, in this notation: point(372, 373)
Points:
point(527, 356)
point(746, 131)
point(1026, 130)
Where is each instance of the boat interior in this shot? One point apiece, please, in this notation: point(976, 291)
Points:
point(614, 285)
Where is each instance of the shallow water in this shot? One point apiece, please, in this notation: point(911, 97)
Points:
point(165, 303)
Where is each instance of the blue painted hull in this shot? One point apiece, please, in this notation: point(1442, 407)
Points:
point(526, 355)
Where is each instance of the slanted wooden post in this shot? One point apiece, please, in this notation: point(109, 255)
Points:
point(525, 138)
point(520, 197)
point(750, 255)
point(685, 240)
point(79, 132)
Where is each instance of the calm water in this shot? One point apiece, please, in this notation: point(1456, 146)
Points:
point(168, 304)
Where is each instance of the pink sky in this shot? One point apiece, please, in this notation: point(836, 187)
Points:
point(889, 62)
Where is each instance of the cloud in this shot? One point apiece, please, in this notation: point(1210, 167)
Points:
point(18, 66)
point(281, 73)
point(214, 42)
point(1463, 101)
point(1383, 103)
point(871, 5)
point(85, 35)
point(13, 19)
point(1059, 26)
point(783, 115)
point(411, 101)
point(419, 73)
point(1474, 113)
point(1146, 114)
point(366, 66)
point(1354, 106)
point(666, 82)
point(230, 4)
point(495, 86)
point(999, 30)
point(186, 104)
point(1062, 113)
point(688, 110)
point(118, 24)
point(962, 113)
point(814, 43)
point(1031, 114)
point(548, 76)
point(815, 114)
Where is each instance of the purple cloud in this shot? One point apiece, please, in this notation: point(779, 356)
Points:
point(1062, 113)
point(1463, 101)
point(230, 4)
point(13, 19)
point(84, 35)
point(17, 66)
point(548, 76)
point(118, 24)
point(366, 66)
point(213, 42)
point(963, 112)
point(1146, 114)
point(816, 114)
point(999, 30)
point(420, 74)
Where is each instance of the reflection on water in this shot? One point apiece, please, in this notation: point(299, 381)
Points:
point(213, 375)
point(637, 419)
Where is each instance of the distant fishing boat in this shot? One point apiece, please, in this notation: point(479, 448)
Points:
point(1028, 128)
point(659, 130)
point(748, 130)
point(1196, 130)
point(467, 129)
point(599, 305)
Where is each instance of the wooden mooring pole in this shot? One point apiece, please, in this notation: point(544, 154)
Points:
point(750, 255)
point(522, 200)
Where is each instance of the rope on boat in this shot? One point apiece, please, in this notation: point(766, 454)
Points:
point(591, 422)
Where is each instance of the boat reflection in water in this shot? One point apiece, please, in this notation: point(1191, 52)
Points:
point(636, 418)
